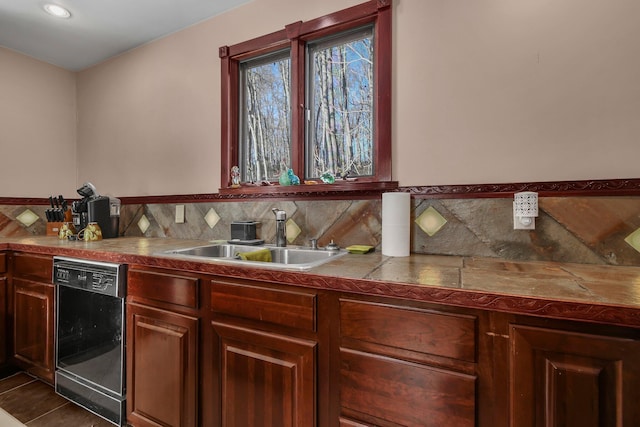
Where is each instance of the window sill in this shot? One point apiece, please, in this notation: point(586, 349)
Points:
point(341, 190)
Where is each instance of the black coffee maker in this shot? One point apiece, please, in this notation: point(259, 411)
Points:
point(95, 208)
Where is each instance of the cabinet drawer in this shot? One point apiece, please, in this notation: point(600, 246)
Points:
point(290, 308)
point(166, 287)
point(404, 393)
point(3, 263)
point(395, 329)
point(38, 268)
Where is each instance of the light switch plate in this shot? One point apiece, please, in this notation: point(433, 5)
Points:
point(179, 214)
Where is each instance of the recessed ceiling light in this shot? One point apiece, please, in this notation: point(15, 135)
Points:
point(57, 11)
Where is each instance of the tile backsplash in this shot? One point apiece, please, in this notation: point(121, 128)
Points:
point(588, 230)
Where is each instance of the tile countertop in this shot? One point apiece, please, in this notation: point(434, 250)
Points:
point(602, 294)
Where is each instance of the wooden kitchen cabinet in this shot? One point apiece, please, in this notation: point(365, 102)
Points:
point(4, 309)
point(266, 379)
point(562, 378)
point(162, 348)
point(206, 350)
point(162, 386)
point(264, 355)
point(406, 366)
point(33, 314)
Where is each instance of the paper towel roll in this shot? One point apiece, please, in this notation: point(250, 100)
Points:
point(396, 215)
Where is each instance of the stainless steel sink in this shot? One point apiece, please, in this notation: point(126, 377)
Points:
point(215, 251)
point(291, 257)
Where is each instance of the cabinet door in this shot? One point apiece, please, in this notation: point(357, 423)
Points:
point(33, 335)
point(568, 379)
point(267, 379)
point(3, 320)
point(162, 364)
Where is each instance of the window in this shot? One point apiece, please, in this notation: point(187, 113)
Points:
point(314, 97)
point(339, 105)
point(265, 117)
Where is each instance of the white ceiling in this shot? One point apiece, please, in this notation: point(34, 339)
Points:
point(97, 29)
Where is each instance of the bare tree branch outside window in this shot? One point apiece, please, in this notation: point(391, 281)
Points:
point(340, 137)
point(339, 129)
point(266, 133)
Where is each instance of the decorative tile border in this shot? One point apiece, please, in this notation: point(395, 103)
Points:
point(612, 187)
point(605, 187)
point(587, 230)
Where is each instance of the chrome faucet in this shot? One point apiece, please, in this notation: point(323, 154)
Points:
point(281, 227)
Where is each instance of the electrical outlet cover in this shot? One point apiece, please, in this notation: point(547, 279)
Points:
point(179, 214)
point(517, 225)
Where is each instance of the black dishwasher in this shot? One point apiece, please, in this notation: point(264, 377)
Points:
point(90, 345)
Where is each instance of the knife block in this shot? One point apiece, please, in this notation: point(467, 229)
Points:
point(53, 228)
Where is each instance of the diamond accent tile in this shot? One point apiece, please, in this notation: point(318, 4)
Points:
point(27, 217)
point(633, 240)
point(430, 221)
point(293, 230)
point(212, 218)
point(143, 224)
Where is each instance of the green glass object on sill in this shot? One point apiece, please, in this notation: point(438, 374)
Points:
point(328, 178)
point(289, 178)
point(293, 177)
point(284, 178)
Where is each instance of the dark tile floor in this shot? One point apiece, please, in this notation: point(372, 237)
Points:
point(34, 403)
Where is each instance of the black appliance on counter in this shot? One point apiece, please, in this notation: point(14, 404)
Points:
point(95, 208)
point(90, 335)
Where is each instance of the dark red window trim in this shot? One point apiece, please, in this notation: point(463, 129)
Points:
point(295, 36)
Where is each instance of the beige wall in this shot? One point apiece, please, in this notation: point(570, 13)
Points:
point(484, 91)
point(516, 91)
point(155, 111)
point(37, 128)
